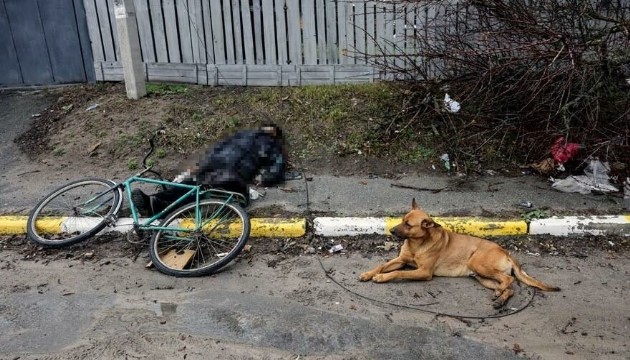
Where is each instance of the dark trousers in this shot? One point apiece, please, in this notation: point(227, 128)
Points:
point(172, 193)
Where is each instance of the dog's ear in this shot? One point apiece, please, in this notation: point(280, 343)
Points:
point(429, 223)
point(414, 205)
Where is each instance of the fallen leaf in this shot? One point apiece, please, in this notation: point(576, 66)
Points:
point(363, 182)
point(544, 167)
point(287, 189)
point(94, 147)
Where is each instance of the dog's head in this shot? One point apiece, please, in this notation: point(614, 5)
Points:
point(416, 224)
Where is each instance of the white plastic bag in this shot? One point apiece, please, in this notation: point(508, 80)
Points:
point(451, 105)
point(595, 178)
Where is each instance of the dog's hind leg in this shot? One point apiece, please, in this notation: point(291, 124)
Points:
point(504, 288)
point(489, 283)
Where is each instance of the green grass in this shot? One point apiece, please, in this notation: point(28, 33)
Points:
point(132, 164)
point(58, 151)
point(319, 121)
point(166, 88)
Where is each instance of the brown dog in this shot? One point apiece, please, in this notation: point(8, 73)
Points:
point(435, 251)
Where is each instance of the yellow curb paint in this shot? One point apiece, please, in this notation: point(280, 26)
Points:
point(15, 225)
point(472, 226)
point(10, 225)
point(390, 222)
point(273, 227)
point(627, 218)
point(477, 227)
point(260, 227)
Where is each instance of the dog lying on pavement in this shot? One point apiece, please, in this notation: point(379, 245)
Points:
point(435, 251)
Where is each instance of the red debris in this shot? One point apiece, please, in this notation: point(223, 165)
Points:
point(561, 151)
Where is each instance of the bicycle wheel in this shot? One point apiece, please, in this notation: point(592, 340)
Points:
point(73, 212)
point(185, 251)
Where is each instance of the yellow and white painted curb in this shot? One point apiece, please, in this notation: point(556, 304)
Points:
point(580, 225)
point(260, 227)
point(353, 226)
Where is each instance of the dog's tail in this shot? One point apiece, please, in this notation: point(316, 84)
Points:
point(523, 277)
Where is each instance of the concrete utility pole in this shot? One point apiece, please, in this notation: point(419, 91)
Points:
point(133, 68)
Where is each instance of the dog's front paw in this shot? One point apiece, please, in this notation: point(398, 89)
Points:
point(366, 276)
point(379, 278)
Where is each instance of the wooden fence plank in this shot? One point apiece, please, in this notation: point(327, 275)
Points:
point(269, 31)
point(144, 30)
point(410, 35)
point(197, 33)
point(295, 31)
point(248, 36)
point(93, 30)
point(370, 9)
point(332, 46)
point(388, 35)
point(84, 39)
point(107, 34)
point(216, 19)
point(185, 73)
point(399, 33)
point(320, 6)
point(341, 22)
point(359, 32)
point(183, 26)
point(207, 25)
point(258, 32)
point(379, 31)
point(172, 38)
point(238, 34)
point(114, 27)
point(159, 34)
point(310, 33)
point(229, 32)
point(281, 34)
point(350, 33)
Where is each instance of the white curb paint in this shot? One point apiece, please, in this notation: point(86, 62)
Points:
point(81, 225)
point(580, 225)
point(349, 226)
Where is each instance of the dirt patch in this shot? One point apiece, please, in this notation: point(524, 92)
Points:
point(131, 246)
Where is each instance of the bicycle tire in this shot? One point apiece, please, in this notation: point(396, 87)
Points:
point(212, 248)
point(78, 224)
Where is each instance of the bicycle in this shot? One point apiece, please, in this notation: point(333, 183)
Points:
point(194, 239)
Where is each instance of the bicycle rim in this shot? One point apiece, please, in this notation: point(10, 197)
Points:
point(74, 212)
point(184, 250)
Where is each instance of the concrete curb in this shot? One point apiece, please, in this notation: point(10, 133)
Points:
point(260, 227)
point(353, 226)
point(582, 225)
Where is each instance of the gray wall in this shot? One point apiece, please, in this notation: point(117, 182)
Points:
point(44, 42)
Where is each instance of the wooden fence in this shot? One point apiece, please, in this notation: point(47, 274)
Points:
point(256, 42)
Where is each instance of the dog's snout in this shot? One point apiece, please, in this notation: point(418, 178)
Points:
point(396, 231)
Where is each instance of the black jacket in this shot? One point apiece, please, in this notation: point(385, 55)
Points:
point(236, 161)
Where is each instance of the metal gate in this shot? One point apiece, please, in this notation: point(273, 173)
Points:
point(44, 42)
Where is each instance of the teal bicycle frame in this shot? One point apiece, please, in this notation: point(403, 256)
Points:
point(192, 189)
point(195, 190)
